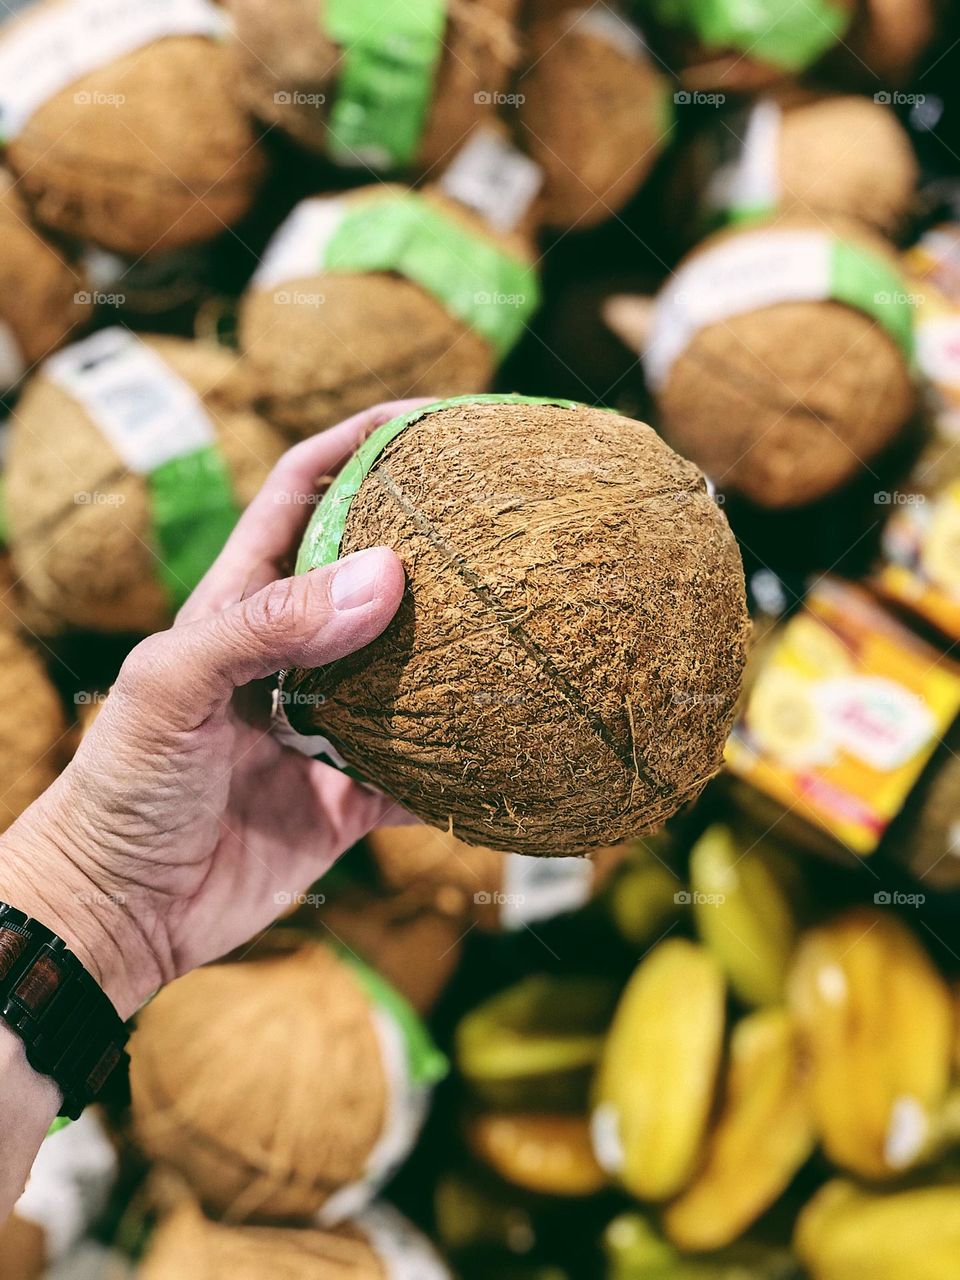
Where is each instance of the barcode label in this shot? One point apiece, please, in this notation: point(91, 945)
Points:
point(490, 176)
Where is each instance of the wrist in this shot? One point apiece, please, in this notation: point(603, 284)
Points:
point(43, 874)
point(28, 1105)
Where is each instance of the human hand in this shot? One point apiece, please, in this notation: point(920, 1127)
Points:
point(182, 826)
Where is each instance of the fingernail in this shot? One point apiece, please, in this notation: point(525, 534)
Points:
point(355, 581)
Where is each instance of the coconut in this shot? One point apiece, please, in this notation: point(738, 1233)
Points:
point(787, 401)
point(141, 150)
point(321, 345)
point(564, 665)
point(883, 46)
point(32, 746)
point(495, 890)
point(43, 294)
point(592, 111)
point(332, 1102)
point(290, 67)
point(188, 1244)
point(832, 155)
point(81, 520)
point(927, 839)
point(737, 48)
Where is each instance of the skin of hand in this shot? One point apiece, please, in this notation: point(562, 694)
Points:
point(181, 827)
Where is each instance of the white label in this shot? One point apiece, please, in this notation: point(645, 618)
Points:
point(875, 720)
point(756, 269)
point(297, 249)
point(541, 888)
point(46, 51)
point(752, 179)
point(938, 357)
point(314, 745)
point(69, 1184)
point(146, 412)
point(12, 364)
point(490, 176)
point(403, 1251)
point(610, 26)
point(406, 1110)
point(606, 1140)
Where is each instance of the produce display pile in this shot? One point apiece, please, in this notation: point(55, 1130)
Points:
point(665, 983)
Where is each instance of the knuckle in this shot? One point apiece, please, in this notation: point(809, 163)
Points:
point(283, 607)
point(145, 664)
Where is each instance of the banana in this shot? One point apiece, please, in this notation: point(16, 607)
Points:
point(743, 913)
point(762, 1136)
point(644, 899)
point(875, 1022)
point(658, 1073)
point(848, 1233)
point(546, 1154)
point(940, 555)
point(635, 1251)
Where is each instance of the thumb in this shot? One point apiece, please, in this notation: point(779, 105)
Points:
point(188, 673)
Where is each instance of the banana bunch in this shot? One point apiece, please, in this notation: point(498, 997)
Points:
point(657, 1078)
point(546, 1154)
point(635, 1251)
point(849, 1233)
point(876, 1025)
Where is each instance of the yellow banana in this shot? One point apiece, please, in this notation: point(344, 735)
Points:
point(876, 1025)
point(763, 1134)
point(743, 912)
point(547, 1154)
point(658, 1072)
point(847, 1233)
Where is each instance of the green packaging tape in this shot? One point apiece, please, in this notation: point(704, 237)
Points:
point(489, 290)
point(390, 52)
point(874, 286)
point(321, 542)
point(160, 429)
point(790, 34)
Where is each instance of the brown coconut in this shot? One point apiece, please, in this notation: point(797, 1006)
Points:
point(23, 1249)
point(564, 665)
point(43, 293)
point(593, 115)
point(88, 563)
point(287, 69)
point(460, 880)
point(884, 44)
point(787, 403)
point(927, 839)
point(835, 155)
point(261, 1083)
point(361, 338)
point(172, 163)
point(188, 1244)
point(33, 727)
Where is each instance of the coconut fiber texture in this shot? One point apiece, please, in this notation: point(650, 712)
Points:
point(188, 1245)
point(43, 295)
point(320, 348)
point(563, 668)
point(289, 68)
point(884, 44)
point(33, 728)
point(146, 153)
point(594, 116)
point(261, 1083)
point(786, 403)
point(80, 521)
point(460, 880)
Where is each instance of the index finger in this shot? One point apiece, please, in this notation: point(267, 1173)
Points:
point(271, 527)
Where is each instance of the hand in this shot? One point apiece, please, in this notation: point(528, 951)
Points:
point(182, 826)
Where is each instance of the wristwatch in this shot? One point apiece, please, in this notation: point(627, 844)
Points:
point(69, 1028)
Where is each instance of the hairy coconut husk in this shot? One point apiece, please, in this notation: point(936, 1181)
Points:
point(563, 668)
point(462, 880)
point(786, 403)
point(88, 562)
point(272, 1141)
point(171, 163)
point(593, 116)
point(43, 293)
point(23, 1249)
point(33, 731)
point(884, 44)
point(360, 338)
point(927, 840)
point(288, 68)
point(188, 1244)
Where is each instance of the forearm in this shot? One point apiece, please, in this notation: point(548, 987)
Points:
point(28, 1104)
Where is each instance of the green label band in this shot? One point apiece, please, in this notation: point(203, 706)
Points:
point(321, 542)
point(390, 53)
point(491, 291)
point(872, 285)
point(192, 513)
point(790, 34)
